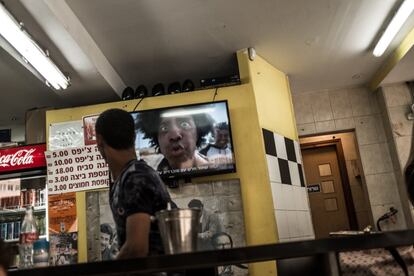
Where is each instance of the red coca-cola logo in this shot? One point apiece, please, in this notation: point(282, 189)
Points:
point(19, 158)
point(28, 237)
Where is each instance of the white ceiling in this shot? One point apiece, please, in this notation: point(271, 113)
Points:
point(106, 44)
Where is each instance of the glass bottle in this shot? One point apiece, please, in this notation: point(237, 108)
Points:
point(28, 235)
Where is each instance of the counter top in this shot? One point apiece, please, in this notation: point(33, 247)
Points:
point(249, 254)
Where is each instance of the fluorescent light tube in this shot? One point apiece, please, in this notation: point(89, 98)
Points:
point(395, 25)
point(11, 30)
point(180, 113)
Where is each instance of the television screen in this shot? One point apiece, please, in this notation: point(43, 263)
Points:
point(186, 141)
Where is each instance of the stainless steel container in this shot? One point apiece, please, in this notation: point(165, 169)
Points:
point(179, 229)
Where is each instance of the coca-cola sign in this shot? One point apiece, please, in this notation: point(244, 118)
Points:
point(22, 158)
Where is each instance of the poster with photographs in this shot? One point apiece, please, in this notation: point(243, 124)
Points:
point(62, 213)
point(102, 238)
point(63, 248)
point(89, 129)
point(222, 220)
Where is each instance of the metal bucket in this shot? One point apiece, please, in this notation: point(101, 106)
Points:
point(179, 229)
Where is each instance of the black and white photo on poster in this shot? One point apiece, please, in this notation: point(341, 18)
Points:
point(221, 223)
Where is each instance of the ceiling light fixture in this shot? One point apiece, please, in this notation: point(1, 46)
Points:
point(395, 25)
point(12, 31)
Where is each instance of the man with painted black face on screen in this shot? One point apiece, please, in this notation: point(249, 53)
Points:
point(177, 134)
point(136, 193)
point(219, 152)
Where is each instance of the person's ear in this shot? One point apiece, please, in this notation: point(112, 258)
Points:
point(99, 140)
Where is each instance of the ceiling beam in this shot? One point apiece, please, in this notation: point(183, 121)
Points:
point(392, 60)
point(70, 36)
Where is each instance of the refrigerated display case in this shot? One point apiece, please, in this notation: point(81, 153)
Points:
point(22, 183)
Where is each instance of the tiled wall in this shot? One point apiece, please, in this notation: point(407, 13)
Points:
point(349, 109)
point(397, 99)
point(290, 198)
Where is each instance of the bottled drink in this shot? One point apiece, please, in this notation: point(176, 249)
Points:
point(28, 234)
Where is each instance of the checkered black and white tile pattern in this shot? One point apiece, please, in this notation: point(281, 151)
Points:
point(284, 159)
point(290, 197)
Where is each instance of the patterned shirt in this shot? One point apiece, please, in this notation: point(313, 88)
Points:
point(138, 189)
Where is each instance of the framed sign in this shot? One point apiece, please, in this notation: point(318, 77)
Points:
point(89, 129)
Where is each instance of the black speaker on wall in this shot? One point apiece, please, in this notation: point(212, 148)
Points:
point(141, 92)
point(128, 93)
point(158, 90)
point(188, 86)
point(174, 87)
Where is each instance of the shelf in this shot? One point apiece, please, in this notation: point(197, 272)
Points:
point(17, 240)
point(37, 209)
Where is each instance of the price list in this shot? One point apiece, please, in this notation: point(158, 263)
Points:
point(76, 169)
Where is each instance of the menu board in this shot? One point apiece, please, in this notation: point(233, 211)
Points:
point(76, 169)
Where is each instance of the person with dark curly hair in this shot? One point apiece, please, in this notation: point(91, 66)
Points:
point(177, 134)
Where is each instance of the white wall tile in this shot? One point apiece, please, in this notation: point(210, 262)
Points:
point(284, 240)
point(296, 197)
point(287, 194)
point(280, 146)
point(302, 223)
point(382, 188)
point(304, 199)
point(344, 124)
point(309, 224)
point(273, 168)
point(376, 158)
point(277, 195)
point(341, 106)
point(404, 145)
point(397, 95)
point(360, 101)
point(294, 229)
point(282, 197)
point(305, 129)
point(298, 152)
point(325, 126)
point(294, 173)
point(366, 130)
point(321, 106)
point(282, 224)
point(303, 108)
point(382, 137)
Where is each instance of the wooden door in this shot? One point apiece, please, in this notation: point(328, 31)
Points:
point(326, 195)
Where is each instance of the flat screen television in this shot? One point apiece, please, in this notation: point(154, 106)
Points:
point(186, 141)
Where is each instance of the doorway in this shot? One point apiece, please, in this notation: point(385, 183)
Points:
point(328, 187)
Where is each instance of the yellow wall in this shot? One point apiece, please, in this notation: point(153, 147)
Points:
point(273, 112)
point(273, 97)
